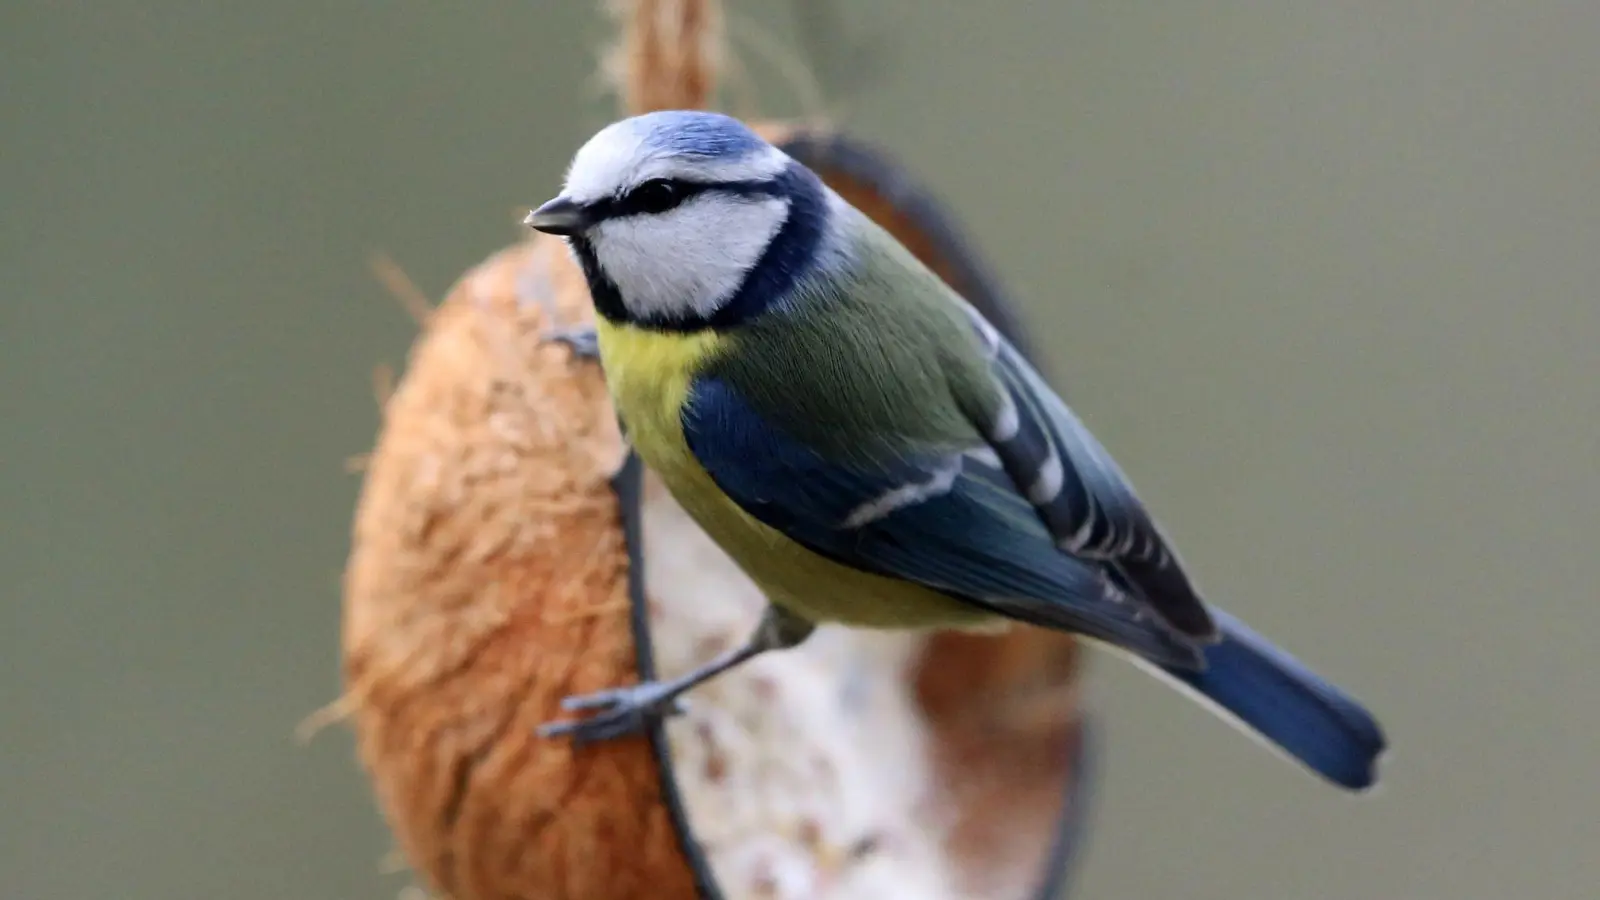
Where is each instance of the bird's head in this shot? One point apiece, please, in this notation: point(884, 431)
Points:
point(686, 220)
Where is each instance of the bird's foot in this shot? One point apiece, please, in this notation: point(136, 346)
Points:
point(584, 340)
point(618, 712)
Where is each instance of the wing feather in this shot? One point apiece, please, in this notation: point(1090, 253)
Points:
point(1085, 501)
point(951, 521)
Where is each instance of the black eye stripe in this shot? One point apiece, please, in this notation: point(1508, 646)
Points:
point(633, 203)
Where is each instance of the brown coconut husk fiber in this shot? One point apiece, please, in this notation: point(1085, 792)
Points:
point(488, 579)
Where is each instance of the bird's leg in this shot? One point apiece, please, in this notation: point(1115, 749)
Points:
point(627, 710)
point(583, 339)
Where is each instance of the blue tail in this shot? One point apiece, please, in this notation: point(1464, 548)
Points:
point(1286, 703)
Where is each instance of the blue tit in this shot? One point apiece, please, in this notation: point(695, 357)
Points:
point(869, 449)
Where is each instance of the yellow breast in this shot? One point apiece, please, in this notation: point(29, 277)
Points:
point(650, 374)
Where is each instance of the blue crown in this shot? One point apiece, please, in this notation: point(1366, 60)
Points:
point(697, 134)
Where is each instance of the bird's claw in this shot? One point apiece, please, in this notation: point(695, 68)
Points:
point(635, 695)
point(583, 340)
point(618, 712)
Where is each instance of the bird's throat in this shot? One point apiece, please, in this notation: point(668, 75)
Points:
point(650, 374)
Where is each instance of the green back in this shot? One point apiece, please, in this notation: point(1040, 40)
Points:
point(872, 362)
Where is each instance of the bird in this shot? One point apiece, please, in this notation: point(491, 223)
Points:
point(868, 448)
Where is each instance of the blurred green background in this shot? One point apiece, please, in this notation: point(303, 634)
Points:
point(1323, 276)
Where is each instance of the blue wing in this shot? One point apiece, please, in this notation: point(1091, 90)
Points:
point(1085, 501)
point(953, 522)
point(956, 523)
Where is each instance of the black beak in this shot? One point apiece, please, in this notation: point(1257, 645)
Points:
point(559, 216)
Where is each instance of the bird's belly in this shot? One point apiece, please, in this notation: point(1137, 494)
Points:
point(798, 579)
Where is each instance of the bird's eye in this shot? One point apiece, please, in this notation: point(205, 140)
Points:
point(655, 196)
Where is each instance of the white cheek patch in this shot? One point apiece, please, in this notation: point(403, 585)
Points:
point(689, 260)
